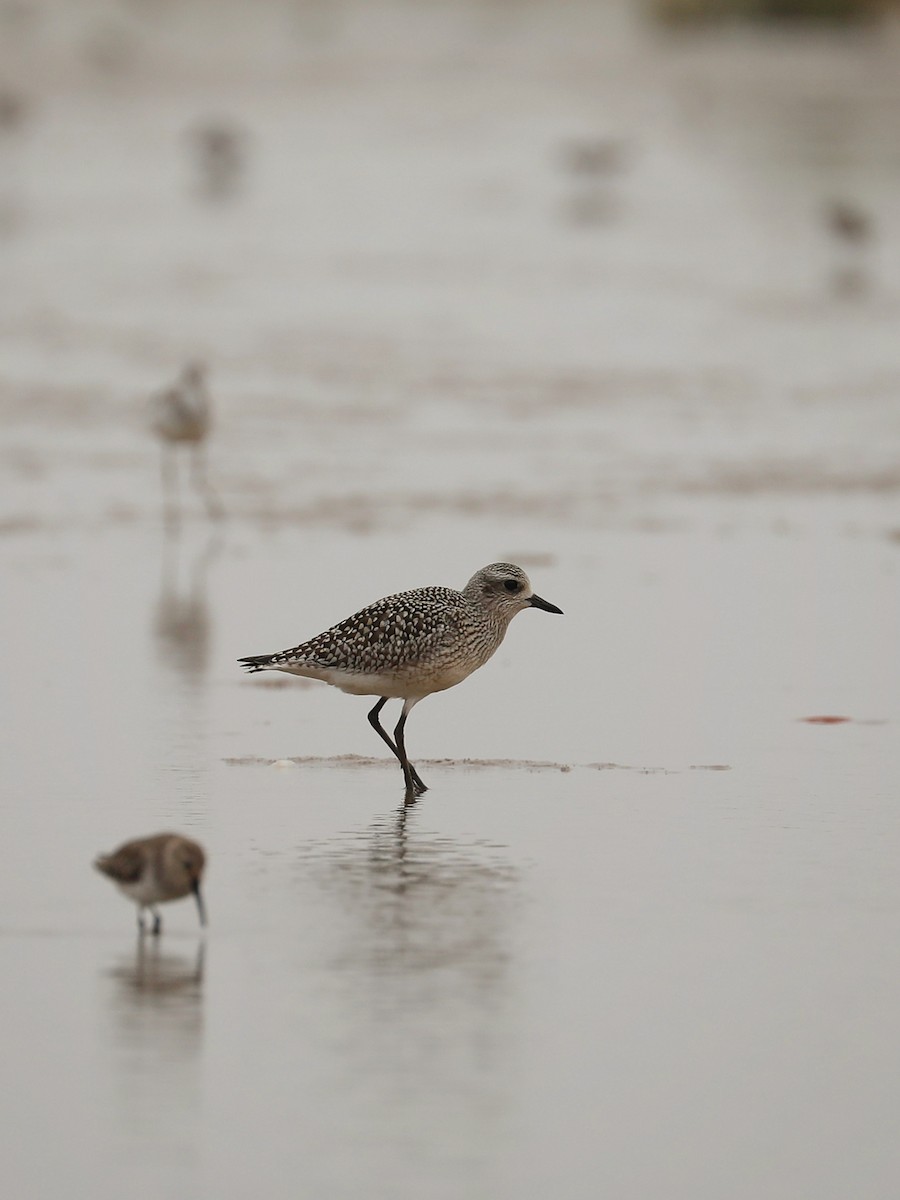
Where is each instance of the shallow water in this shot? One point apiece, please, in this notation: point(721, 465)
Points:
point(637, 937)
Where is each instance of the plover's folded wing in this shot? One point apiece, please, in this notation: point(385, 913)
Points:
point(390, 634)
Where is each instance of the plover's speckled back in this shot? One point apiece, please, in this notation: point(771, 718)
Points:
point(181, 415)
point(411, 644)
point(154, 870)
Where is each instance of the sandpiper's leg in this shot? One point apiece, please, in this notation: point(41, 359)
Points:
point(385, 737)
point(140, 913)
point(201, 482)
point(157, 923)
point(414, 785)
point(169, 485)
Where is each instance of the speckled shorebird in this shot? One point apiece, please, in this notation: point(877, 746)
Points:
point(154, 870)
point(411, 644)
point(181, 415)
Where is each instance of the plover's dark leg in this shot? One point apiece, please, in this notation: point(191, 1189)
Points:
point(157, 923)
point(140, 912)
point(414, 785)
point(386, 738)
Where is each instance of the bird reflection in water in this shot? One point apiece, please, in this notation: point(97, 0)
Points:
point(423, 900)
point(154, 1032)
point(420, 932)
point(182, 631)
point(153, 976)
point(182, 625)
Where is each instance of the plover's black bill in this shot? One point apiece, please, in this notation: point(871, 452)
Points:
point(538, 602)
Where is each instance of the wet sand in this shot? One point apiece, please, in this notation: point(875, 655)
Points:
point(637, 937)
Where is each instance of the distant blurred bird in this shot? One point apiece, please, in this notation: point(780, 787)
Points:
point(155, 870)
point(110, 47)
point(13, 109)
point(219, 149)
point(182, 415)
point(593, 165)
point(595, 156)
point(848, 221)
point(853, 231)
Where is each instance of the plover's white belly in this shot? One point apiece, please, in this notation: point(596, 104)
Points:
point(400, 685)
point(358, 683)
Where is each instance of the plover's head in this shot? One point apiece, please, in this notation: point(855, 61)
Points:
point(506, 590)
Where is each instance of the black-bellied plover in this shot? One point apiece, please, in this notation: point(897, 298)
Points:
point(411, 644)
point(154, 870)
point(181, 415)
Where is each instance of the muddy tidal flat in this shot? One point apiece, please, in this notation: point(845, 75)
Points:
point(525, 282)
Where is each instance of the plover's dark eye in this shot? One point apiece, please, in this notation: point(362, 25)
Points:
point(511, 585)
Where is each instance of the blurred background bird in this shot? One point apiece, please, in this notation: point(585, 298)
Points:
point(181, 415)
point(219, 154)
point(154, 870)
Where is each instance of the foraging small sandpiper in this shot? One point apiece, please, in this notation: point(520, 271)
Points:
point(181, 415)
point(154, 870)
point(411, 644)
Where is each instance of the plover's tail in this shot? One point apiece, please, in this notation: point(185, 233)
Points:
point(258, 662)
